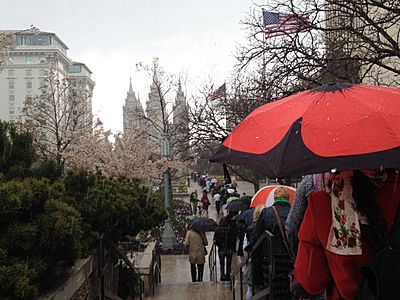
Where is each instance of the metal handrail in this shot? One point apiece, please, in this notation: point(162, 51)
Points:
point(239, 269)
point(212, 262)
point(271, 271)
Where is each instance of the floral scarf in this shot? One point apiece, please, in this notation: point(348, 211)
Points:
point(345, 235)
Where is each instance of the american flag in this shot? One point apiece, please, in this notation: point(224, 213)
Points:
point(276, 24)
point(218, 93)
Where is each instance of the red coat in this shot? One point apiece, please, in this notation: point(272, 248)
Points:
point(318, 269)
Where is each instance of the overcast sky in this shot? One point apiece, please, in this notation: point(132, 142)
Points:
point(196, 37)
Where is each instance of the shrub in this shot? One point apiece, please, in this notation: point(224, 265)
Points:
point(20, 239)
point(60, 228)
point(17, 282)
point(22, 200)
point(117, 206)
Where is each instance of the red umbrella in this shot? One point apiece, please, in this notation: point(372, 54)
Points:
point(265, 195)
point(338, 126)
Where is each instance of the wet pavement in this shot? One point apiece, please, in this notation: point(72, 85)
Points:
point(175, 271)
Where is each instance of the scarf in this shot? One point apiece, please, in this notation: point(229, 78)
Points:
point(281, 200)
point(345, 235)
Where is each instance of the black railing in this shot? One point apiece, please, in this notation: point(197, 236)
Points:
point(212, 263)
point(238, 272)
point(137, 278)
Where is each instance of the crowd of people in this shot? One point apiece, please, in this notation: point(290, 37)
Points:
point(335, 225)
point(226, 232)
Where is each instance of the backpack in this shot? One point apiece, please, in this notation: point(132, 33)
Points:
point(381, 275)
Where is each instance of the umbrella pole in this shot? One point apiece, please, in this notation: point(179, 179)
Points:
point(168, 237)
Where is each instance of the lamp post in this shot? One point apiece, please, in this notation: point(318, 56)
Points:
point(168, 237)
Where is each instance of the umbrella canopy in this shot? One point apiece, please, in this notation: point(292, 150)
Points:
point(236, 205)
point(246, 199)
point(202, 224)
point(338, 126)
point(265, 195)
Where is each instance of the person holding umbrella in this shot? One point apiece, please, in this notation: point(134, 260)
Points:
point(271, 219)
point(197, 242)
point(333, 246)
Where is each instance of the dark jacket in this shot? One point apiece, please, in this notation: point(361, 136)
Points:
point(226, 234)
point(261, 256)
point(267, 221)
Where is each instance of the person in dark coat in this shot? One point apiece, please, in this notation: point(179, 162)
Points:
point(261, 257)
point(225, 239)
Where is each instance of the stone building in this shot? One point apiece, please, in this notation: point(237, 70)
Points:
point(27, 67)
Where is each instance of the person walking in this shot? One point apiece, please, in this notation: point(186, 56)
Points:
point(194, 199)
point(332, 245)
point(205, 203)
point(249, 230)
point(197, 243)
point(225, 239)
point(217, 199)
point(271, 219)
point(309, 184)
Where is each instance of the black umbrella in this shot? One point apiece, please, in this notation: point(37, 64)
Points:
point(236, 205)
point(202, 224)
point(246, 199)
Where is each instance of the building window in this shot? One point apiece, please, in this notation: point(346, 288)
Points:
point(29, 84)
point(10, 72)
point(12, 104)
point(11, 85)
point(28, 72)
point(74, 69)
point(11, 98)
point(11, 110)
point(28, 60)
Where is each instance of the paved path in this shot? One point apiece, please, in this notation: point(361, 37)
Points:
point(175, 272)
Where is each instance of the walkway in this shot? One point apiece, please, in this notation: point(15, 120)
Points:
point(176, 281)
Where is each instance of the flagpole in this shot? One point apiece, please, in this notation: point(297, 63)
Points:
point(263, 72)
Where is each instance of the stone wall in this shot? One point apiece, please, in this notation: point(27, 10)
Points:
point(81, 282)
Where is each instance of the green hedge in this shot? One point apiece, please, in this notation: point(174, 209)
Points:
point(48, 221)
point(45, 225)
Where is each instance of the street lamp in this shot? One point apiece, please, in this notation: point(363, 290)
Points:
point(168, 237)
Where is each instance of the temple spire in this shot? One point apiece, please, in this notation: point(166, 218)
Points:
point(130, 85)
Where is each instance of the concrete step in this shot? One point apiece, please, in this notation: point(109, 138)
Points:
point(193, 290)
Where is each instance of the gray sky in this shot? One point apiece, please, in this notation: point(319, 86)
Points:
point(196, 37)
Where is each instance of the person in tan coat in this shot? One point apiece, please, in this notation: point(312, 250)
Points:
point(197, 243)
